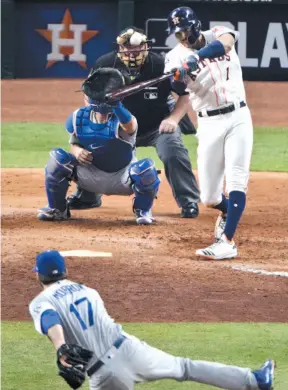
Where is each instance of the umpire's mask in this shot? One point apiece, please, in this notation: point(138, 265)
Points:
point(133, 47)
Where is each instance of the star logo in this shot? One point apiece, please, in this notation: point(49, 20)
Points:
point(176, 20)
point(66, 40)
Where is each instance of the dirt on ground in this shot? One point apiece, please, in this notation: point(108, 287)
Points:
point(153, 275)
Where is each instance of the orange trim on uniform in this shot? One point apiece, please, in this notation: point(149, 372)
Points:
point(224, 89)
point(217, 97)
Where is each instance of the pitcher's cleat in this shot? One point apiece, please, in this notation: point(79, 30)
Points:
point(48, 214)
point(265, 375)
point(220, 250)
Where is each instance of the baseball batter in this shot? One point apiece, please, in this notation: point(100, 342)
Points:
point(85, 337)
point(102, 157)
point(207, 63)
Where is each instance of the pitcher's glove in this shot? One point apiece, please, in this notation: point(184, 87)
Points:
point(77, 358)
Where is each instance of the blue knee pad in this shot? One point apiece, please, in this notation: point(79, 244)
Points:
point(59, 170)
point(145, 183)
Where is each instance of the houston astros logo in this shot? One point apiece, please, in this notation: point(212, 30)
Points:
point(175, 19)
point(66, 40)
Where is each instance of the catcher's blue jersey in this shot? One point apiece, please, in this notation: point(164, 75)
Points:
point(111, 146)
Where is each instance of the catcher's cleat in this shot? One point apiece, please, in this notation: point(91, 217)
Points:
point(48, 214)
point(220, 226)
point(144, 217)
point(220, 250)
point(75, 203)
point(265, 375)
point(191, 211)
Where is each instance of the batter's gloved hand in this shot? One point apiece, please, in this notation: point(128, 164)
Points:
point(72, 361)
point(191, 63)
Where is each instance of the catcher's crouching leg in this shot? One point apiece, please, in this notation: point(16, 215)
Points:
point(145, 185)
point(59, 171)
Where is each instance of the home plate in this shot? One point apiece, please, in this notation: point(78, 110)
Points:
point(85, 253)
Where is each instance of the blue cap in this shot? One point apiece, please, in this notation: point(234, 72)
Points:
point(50, 264)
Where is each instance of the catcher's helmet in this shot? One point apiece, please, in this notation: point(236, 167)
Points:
point(184, 18)
point(100, 82)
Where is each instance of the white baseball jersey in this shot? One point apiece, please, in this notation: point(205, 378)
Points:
point(218, 81)
point(84, 318)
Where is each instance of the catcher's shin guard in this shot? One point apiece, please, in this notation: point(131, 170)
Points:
point(58, 172)
point(145, 183)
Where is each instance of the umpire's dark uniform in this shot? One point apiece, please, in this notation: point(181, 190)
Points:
point(150, 107)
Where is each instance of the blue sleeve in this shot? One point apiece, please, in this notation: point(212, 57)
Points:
point(49, 318)
point(213, 50)
point(69, 124)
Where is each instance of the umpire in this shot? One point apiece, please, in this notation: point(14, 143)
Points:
point(152, 108)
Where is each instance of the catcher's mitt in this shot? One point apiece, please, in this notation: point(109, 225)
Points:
point(102, 81)
point(78, 359)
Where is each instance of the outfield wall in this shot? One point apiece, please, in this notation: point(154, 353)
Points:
point(57, 39)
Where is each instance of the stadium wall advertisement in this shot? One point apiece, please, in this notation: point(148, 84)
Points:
point(63, 40)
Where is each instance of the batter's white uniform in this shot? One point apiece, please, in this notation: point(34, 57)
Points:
point(225, 140)
point(86, 322)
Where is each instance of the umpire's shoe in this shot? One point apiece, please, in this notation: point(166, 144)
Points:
point(76, 203)
point(265, 375)
point(191, 211)
point(48, 214)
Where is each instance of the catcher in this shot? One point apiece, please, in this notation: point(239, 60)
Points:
point(158, 115)
point(102, 158)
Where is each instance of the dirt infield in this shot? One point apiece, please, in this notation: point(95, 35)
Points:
point(153, 274)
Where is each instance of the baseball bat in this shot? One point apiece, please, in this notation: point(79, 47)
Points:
point(129, 90)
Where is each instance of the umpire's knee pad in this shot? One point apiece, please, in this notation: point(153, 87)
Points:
point(61, 165)
point(144, 176)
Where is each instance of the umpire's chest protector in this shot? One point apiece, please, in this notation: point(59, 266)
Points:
point(110, 152)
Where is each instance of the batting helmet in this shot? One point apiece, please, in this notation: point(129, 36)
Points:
point(184, 19)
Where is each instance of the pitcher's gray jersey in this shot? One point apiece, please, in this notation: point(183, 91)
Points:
point(83, 315)
point(86, 322)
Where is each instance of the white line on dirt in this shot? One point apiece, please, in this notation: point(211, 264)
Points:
point(85, 253)
point(258, 271)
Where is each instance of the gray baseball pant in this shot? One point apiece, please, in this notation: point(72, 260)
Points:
point(136, 361)
point(177, 165)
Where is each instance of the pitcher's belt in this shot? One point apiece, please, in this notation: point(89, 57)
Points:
point(117, 344)
point(220, 111)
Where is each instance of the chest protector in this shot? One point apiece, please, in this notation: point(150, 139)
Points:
point(110, 152)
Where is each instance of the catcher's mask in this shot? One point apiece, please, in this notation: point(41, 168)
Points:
point(133, 47)
point(100, 82)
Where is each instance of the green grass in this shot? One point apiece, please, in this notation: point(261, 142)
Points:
point(28, 144)
point(28, 359)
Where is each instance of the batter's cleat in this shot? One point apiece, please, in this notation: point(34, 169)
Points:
point(144, 217)
point(75, 203)
point(265, 375)
point(220, 226)
point(220, 250)
point(191, 211)
point(48, 214)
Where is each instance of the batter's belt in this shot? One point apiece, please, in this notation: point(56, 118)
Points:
point(96, 366)
point(219, 111)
